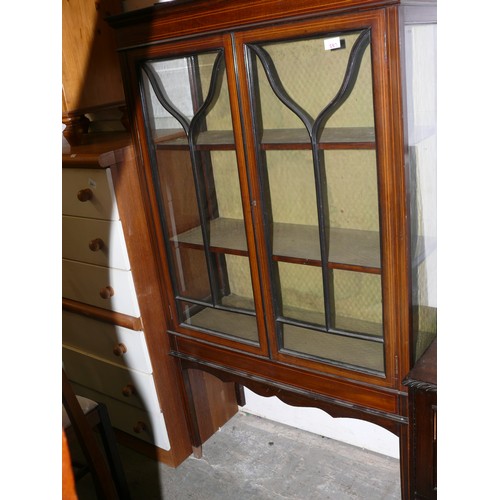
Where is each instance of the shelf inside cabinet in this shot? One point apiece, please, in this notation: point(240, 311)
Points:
point(350, 249)
point(242, 326)
point(213, 139)
point(369, 329)
point(331, 138)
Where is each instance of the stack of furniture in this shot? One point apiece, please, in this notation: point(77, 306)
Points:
point(115, 347)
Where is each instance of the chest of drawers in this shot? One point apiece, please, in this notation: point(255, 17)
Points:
point(114, 342)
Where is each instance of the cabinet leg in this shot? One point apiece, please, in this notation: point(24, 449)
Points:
point(405, 465)
point(240, 394)
point(192, 418)
point(197, 452)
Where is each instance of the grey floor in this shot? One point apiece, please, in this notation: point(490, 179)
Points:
point(254, 458)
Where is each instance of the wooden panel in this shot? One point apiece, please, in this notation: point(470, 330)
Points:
point(90, 69)
point(181, 19)
point(108, 244)
point(86, 283)
point(103, 339)
point(205, 389)
point(370, 397)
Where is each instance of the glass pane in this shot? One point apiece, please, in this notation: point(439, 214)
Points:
point(331, 347)
point(420, 47)
point(312, 76)
point(302, 292)
point(239, 326)
point(352, 189)
point(195, 167)
point(316, 148)
point(358, 302)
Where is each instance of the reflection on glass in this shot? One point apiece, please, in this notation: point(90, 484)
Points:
point(420, 47)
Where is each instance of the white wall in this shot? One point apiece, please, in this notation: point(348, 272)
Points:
point(356, 432)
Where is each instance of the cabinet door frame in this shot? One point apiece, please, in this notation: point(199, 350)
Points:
point(182, 48)
point(391, 187)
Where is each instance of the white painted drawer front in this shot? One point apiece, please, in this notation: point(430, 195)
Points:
point(129, 418)
point(111, 379)
point(101, 205)
point(102, 339)
point(94, 241)
point(87, 282)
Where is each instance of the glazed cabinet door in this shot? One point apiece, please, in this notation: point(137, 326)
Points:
point(318, 157)
point(274, 163)
point(200, 185)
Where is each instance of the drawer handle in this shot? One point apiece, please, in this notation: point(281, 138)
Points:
point(119, 349)
point(84, 194)
point(128, 390)
point(139, 427)
point(107, 292)
point(96, 244)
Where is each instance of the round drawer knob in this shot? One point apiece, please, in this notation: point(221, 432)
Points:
point(84, 194)
point(96, 244)
point(119, 349)
point(139, 427)
point(107, 292)
point(128, 390)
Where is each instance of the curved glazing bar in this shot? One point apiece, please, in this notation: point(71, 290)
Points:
point(315, 128)
point(190, 128)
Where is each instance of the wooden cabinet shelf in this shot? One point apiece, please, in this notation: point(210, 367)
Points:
point(277, 139)
point(350, 249)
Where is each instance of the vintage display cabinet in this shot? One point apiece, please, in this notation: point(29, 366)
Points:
point(287, 151)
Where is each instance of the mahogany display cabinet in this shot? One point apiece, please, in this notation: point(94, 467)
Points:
point(287, 153)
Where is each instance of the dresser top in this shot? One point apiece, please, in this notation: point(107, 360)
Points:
point(99, 150)
point(424, 373)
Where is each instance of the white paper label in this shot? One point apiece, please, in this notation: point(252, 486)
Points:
point(332, 43)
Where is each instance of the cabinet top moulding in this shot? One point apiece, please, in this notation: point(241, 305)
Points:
point(188, 18)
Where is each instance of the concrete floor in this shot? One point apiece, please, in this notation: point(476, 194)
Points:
point(255, 458)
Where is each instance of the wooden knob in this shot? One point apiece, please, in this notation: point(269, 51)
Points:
point(139, 427)
point(119, 349)
point(85, 194)
point(128, 390)
point(107, 292)
point(96, 244)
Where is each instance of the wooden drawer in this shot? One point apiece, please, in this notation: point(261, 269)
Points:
point(101, 205)
point(88, 283)
point(130, 386)
point(94, 241)
point(103, 340)
point(129, 418)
